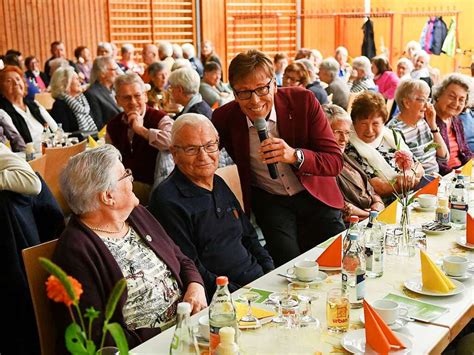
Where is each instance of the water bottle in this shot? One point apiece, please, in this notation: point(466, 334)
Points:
point(353, 272)
point(222, 313)
point(353, 228)
point(59, 136)
point(184, 341)
point(373, 236)
point(459, 202)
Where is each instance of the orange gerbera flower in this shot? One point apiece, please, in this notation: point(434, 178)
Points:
point(56, 291)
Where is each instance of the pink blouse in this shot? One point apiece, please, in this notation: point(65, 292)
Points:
point(387, 84)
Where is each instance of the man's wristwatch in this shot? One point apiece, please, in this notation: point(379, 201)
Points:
point(299, 155)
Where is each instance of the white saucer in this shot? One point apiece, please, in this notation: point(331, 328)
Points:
point(399, 323)
point(462, 242)
point(435, 232)
point(464, 277)
point(354, 342)
point(320, 278)
point(417, 207)
point(330, 268)
point(416, 285)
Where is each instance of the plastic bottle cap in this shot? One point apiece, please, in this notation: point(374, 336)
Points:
point(226, 335)
point(353, 236)
point(374, 213)
point(457, 171)
point(354, 219)
point(222, 280)
point(183, 308)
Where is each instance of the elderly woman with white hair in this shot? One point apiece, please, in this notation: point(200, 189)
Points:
point(404, 68)
point(314, 84)
point(104, 49)
point(416, 122)
point(359, 196)
point(328, 73)
point(189, 53)
point(450, 97)
point(345, 70)
point(111, 237)
point(421, 71)
point(361, 77)
point(71, 107)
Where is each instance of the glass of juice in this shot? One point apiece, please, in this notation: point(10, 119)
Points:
point(337, 311)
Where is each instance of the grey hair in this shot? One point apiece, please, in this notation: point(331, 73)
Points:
point(407, 62)
point(57, 63)
point(336, 113)
point(128, 79)
point(166, 48)
point(422, 53)
point(189, 50)
point(187, 78)
point(86, 175)
point(331, 66)
point(406, 89)
point(310, 67)
point(155, 68)
point(462, 80)
point(61, 81)
point(180, 63)
point(413, 45)
point(177, 50)
point(363, 63)
point(342, 50)
point(99, 67)
point(193, 120)
point(127, 47)
point(105, 45)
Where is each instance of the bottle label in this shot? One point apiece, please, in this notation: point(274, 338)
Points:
point(360, 285)
point(458, 213)
point(443, 217)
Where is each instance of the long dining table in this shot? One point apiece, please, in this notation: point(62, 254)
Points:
point(427, 337)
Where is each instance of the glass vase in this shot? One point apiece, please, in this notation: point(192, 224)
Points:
point(406, 245)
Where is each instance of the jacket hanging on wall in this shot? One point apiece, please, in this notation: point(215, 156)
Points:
point(449, 45)
point(433, 35)
point(368, 44)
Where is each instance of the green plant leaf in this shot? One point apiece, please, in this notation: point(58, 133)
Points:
point(119, 336)
point(91, 313)
point(91, 348)
point(55, 270)
point(114, 298)
point(431, 146)
point(75, 340)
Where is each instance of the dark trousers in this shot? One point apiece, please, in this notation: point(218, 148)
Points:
point(294, 224)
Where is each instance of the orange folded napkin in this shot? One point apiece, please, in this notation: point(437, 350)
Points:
point(332, 256)
point(470, 229)
point(429, 189)
point(377, 334)
point(389, 214)
point(466, 170)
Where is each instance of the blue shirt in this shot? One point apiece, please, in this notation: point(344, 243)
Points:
point(467, 118)
point(211, 229)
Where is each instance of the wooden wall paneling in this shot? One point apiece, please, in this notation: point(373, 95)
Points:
point(213, 27)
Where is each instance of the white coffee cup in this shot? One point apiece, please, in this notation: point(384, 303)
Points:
point(204, 327)
point(427, 201)
point(389, 310)
point(455, 265)
point(305, 270)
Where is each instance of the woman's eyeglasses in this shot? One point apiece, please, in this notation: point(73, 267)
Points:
point(128, 173)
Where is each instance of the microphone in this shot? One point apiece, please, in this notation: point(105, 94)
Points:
point(261, 125)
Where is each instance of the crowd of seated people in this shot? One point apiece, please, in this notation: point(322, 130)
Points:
point(171, 121)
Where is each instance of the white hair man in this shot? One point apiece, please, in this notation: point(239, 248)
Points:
point(165, 52)
point(189, 53)
point(201, 214)
point(139, 132)
point(329, 73)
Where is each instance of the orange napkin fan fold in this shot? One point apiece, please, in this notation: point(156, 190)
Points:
point(429, 189)
point(377, 334)
point(332, 256)
point(470, 229)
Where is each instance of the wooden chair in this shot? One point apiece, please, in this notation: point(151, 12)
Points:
point(56, 160)
point(45, 99)
point(230, 175)
point(39, 165)
point(41, 304)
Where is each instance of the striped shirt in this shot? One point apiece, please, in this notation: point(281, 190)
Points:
point(418, 139)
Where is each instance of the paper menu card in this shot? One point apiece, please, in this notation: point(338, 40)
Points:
point(432, 276)
point(425, 312)
point(377, 334)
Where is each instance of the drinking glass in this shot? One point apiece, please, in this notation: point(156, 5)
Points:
point(282, 300)
point(250, 297)
point(308, 296)
point(337, 311)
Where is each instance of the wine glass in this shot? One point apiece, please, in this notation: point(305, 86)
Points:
point(308, 296)
point(281, 299)
point(249, 297)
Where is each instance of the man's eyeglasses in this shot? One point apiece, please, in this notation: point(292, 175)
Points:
point(128, 173)
point(260, 91)
point(340, 132)
point(210, 147)
point(128, 98)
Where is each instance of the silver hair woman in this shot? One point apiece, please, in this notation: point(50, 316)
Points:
point(417, 123)
point(111, 237)
point(451, 96)
point(359, 196)
point(71, 108)
point(404, 68)
point(361, 78)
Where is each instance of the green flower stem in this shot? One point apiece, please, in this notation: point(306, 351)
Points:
point(104, 333)
point(83, 326)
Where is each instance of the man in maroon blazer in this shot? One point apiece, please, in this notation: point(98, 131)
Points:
point(302, 206)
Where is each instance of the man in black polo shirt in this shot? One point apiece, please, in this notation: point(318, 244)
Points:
point(200, 212)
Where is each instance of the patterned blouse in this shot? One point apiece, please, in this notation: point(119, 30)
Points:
point(153, 292)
